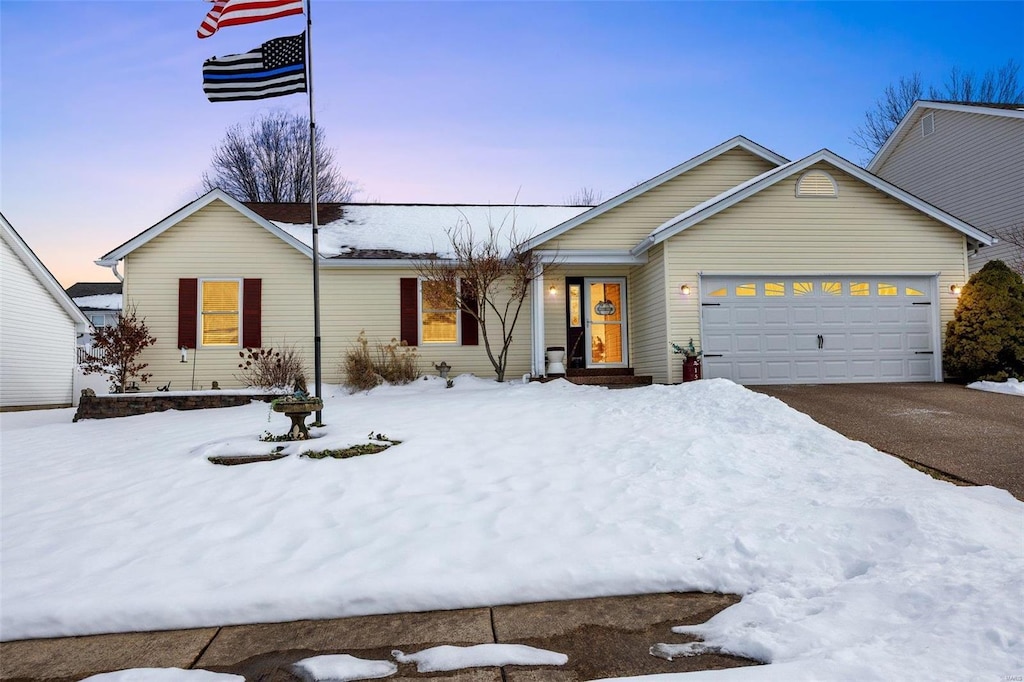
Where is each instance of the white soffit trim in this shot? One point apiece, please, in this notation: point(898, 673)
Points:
point(27, 256)
point(911, 117)
point(590, 257)
point(736, 142)
point(755, 185)
point(112, 258)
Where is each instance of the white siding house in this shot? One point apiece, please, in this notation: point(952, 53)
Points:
point(967, 159)
point(39, 325)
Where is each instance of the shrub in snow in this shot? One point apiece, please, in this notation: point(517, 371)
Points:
point(117, 349)
point(269, 368)
point(394, 363)
point(985, 339)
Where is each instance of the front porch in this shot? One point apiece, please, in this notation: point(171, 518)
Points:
point(617, 377)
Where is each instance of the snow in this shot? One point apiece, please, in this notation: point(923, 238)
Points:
point(1010, 386)
point(164, 675)
point(424, 229)
point(342, 668)
point(442, 658)
point(99, 302)
point(849, 562)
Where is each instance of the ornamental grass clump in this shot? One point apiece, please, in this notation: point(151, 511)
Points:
point(394, 363)
point(269, 368)
point(985, 338)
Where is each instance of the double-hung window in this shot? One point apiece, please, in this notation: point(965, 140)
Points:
point(220, 316)
point(439, 313)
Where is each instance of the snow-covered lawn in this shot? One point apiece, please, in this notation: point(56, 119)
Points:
point(849, 561)
point(1010, 386)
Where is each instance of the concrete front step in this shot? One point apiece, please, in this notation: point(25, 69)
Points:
point(611, 380)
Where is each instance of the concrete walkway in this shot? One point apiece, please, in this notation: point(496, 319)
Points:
point(603, 637)
point(976, 436)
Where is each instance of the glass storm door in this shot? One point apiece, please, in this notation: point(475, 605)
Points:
point(605, 302)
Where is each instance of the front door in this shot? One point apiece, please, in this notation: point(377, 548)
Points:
point(605, 336)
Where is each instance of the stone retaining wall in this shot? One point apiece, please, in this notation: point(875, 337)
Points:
point(126, 405)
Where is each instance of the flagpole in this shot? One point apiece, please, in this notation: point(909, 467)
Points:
point(313, 208)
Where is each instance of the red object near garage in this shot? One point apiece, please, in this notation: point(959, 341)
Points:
point(691, 369)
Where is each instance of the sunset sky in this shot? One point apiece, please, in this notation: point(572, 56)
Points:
point(105, 129)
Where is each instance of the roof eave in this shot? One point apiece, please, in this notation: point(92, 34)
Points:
point(905, 123)
point(43, 274)
point(842, 164)
point(738, 141)
point(115, 256)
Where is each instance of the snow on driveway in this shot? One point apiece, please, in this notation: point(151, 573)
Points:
point(848, 560)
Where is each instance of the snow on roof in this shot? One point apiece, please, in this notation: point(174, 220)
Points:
point(402, 230)
point(99, 302)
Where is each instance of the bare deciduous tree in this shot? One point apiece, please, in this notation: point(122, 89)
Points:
point(584, 196)
point(1015, 235)
point(268, 160)
point(489, 279)
point(117, 351)
point(996, 86)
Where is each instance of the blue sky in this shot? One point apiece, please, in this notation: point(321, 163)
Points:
point(105, 129)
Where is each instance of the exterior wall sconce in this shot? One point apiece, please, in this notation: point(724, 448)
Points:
point(685, 289)
point(552, 290)
point(955, 289)
point(184, 354)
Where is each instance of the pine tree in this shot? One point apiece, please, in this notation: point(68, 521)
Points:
point(985, 339)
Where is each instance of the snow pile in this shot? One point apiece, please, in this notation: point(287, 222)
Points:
point(849, 562)
point(443, 658)
point(1010, 386)
point(99, 302)
point(424, 228)
point(342, 668)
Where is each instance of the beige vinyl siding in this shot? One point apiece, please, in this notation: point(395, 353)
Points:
point(218, 242)
point(623, 227)
point(972, 166)
point(862, 231)
point(37, 339)
point(649, 293)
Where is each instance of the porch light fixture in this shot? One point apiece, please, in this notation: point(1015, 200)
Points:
point(184, 354)
point(552, 290)
point(685, 289)
point(955, 289)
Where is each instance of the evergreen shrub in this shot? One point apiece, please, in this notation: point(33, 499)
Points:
point(985, 338)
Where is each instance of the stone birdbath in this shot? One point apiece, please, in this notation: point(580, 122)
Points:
point(297, 409)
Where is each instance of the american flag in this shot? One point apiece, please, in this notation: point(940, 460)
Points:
point(278, 67)
point(235, 12)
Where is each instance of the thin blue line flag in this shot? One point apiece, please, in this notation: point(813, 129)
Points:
point(278, 67)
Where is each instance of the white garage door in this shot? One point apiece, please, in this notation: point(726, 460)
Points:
point(832, 329)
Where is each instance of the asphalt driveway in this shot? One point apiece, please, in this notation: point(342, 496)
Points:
point(976, 436)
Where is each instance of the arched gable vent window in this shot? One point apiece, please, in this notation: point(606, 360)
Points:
point(816, 183)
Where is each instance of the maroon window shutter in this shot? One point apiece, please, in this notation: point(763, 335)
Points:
point(470, 328)
point(188, 312)
point(252, 313)
point(410, 332)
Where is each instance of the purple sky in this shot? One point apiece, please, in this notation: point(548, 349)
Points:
point(105, 129)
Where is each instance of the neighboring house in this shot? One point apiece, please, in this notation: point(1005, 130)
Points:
point(101, 303)
point(808, 271)
point(38, 328)
point(967, 159)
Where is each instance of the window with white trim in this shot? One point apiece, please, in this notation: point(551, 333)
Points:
point(439, 313)
point(219, 312)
